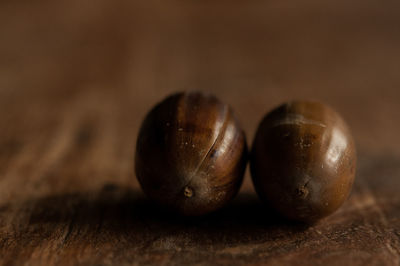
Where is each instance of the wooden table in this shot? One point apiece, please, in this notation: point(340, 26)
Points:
point(77, 78)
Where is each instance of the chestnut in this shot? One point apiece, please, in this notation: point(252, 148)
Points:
point(191, 153)
point(303, 160)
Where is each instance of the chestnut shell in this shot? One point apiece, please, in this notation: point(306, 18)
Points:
point(191, 153)
point(303, 160)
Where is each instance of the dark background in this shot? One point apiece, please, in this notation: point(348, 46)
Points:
point(77, 78)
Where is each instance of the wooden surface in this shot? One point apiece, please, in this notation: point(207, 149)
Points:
point(77, 78)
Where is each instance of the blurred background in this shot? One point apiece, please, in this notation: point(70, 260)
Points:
point(253, 55)
point(105, 64)
point(78, 77)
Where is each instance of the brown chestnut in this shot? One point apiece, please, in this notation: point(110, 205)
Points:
point(303, 160)
point(191, 153)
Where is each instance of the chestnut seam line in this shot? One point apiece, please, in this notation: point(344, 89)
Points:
point(223, 129)
point(297, 120)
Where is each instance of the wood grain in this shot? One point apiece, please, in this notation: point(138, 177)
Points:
point(77, 78)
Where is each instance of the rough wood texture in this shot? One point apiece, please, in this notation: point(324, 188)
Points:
point(77, 78)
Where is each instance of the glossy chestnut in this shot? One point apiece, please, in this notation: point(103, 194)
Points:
point(191, 153)
point(303, 160)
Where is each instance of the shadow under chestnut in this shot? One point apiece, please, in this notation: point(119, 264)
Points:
point(122, 212)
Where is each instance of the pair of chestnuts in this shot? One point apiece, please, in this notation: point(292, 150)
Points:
point(191, 155)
